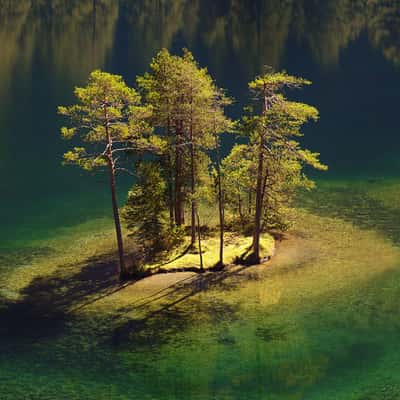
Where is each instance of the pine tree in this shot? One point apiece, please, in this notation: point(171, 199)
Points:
point(145, 210)
point(182, 96)
point(110, 120)
point(273, 131)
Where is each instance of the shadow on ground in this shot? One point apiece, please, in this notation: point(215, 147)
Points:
point(50, 303)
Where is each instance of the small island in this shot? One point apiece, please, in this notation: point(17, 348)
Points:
point(180, 238)
point(189, 201)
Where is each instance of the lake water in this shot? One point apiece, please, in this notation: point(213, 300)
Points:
point(350, 49)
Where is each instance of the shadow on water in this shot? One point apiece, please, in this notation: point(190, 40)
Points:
point(168, 317)
point(49, 303)
point(46, 301)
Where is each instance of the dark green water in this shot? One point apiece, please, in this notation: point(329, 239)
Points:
point(350, 49)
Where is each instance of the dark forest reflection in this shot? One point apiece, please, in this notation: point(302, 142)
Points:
point(256, 32)
point(73, 36)
point(77, 35)
point(49, 46)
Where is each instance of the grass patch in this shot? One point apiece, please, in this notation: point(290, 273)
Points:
point(235, 246)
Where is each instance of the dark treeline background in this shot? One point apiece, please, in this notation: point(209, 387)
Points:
point(247, 33)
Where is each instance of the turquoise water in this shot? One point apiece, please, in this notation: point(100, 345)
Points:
point(321, 322)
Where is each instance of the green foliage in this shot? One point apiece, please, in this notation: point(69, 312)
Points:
point(181, 123)
point(284, 177)
point(239, 182)
point(183, 97)
point(281, 120)
point(188, 111)
point(275, 82)
point(145, 212)
point(107, 106)
point(145, 209)
point(271, 146)
point(110, 119)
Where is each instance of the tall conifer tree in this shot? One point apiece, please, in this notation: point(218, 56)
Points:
point(110, 120)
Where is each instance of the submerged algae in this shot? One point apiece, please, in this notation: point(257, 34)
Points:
point(319, 321)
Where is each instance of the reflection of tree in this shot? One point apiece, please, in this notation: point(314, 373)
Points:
point(328, 26)
point(13, 19)
point(74, 36)
point(253, 33)
point(248, 32)
point(384, 27)
point(151, 25)
point(68, 38)
point(80, 33)
point(256, 31)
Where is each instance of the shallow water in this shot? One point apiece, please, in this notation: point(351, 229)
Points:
point(319, 322)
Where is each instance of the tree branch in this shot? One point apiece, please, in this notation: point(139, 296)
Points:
point(125, 170)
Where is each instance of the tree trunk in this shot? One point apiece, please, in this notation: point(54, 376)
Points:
point(199, 237)
point(249, 205)
point(122, 272)
point(258, 210)
point(170, 187)
point(170, 177)
point(171, 204)
point(264, 186)
point(260, 190)
point(220, 208)
point(221, 217)
point(240, 210)
point(178, 178)
point(192, 179)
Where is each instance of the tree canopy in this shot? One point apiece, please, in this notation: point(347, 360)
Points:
point(170, 128)
point(111, 122)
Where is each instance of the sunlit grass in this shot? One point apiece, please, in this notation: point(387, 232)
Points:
point(235, 246)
